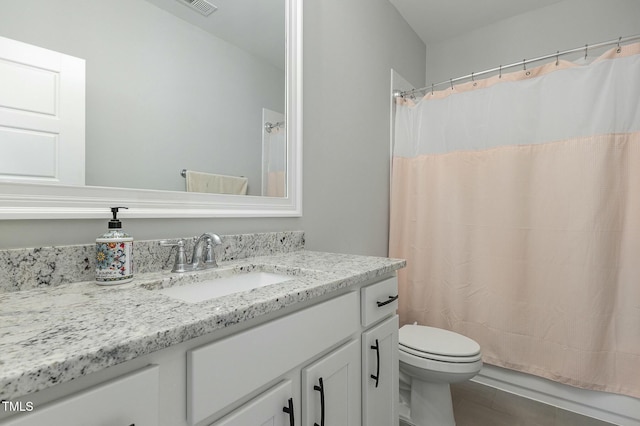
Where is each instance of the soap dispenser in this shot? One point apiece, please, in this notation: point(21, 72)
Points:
point(114, 253)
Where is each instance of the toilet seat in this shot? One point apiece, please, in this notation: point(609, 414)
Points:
point(437, 344)
point(420, 366)
point(440, 358)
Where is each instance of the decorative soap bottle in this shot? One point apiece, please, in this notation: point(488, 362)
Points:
point(114, 254)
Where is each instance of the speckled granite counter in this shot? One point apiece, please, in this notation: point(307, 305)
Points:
point(53, 335)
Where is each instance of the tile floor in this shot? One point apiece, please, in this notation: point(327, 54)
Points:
point(478, 405)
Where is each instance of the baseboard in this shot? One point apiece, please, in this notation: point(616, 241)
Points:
point(618, 409)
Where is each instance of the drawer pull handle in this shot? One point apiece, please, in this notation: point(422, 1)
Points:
point(376, 377)
point(321, 390)
point(289, 411)
point(386, 302)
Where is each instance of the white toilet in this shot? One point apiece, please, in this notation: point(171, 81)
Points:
point(430, 360)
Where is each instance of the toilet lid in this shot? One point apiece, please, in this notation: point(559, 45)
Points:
point(437, 341)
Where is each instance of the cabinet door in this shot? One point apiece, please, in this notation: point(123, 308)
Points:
point(274, 407)
point(331, 388)
point(128, 400)
point(380, 374)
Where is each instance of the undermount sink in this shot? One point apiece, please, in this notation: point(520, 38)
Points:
point(222, 286)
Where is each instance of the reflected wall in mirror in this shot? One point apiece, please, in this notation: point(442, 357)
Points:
point(167, 88)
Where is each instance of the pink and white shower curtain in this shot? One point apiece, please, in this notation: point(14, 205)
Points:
point(516, 202)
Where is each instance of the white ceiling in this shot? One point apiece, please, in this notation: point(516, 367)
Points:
point(435, 20)
point(255, 26)
point(258, 26)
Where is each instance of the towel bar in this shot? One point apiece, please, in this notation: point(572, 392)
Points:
point(183, 173)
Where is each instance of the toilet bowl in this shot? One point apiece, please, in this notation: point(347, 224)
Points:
point(430, 360)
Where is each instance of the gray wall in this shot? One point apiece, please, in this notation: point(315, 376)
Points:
point(561, 26)
point(350, 47)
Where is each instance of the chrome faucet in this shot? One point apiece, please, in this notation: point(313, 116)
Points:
point(209, 260)
point(203, 256)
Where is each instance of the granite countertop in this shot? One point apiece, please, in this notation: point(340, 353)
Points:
point(53, 335)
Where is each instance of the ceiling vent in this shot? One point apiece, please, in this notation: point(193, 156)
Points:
point(201, 6)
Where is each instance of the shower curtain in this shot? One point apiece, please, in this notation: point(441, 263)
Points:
point(276, 155)
point(516, 202)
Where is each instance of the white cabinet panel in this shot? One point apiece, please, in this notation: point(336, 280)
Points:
point(266, 410)
point(222, 372)
point(132, 399)
point(380, 374)
point(331, 388)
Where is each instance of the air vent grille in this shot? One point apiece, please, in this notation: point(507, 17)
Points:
point(201, 6)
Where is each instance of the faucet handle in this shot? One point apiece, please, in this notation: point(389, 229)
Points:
point(180, 262)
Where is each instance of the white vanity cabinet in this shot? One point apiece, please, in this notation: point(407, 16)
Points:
point(312, 365)
point(380, 353)
point(327, 392)
point(226, 371)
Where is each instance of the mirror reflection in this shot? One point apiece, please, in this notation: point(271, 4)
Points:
point(175, 91)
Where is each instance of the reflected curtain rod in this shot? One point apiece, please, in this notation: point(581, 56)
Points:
point(522, 63)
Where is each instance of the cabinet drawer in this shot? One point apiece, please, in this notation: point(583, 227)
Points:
point(222, 372)
point(131, 399)
point(379, 300)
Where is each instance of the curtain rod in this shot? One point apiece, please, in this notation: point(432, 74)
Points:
point(522, 63)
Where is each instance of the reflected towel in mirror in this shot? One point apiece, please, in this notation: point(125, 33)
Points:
point(216, 184)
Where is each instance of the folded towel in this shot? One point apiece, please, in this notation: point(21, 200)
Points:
point(216, 184)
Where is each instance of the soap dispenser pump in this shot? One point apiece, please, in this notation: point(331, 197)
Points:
point(114, 253)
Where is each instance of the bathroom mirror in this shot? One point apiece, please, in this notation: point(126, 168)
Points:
point(128, 165)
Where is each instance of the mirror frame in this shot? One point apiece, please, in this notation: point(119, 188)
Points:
point(45, 201)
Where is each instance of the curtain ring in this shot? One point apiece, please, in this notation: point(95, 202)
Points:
point(473, 80)
point(619, 48)
point(524, 64)
point(557, 58)
point(586, 48)
point(451, 81)
point(431, 88)
point(500, 75)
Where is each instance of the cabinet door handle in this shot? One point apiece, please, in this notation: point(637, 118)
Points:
point(376, 377)
point(321, 390)
point(289, 411)
point(386, 302)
